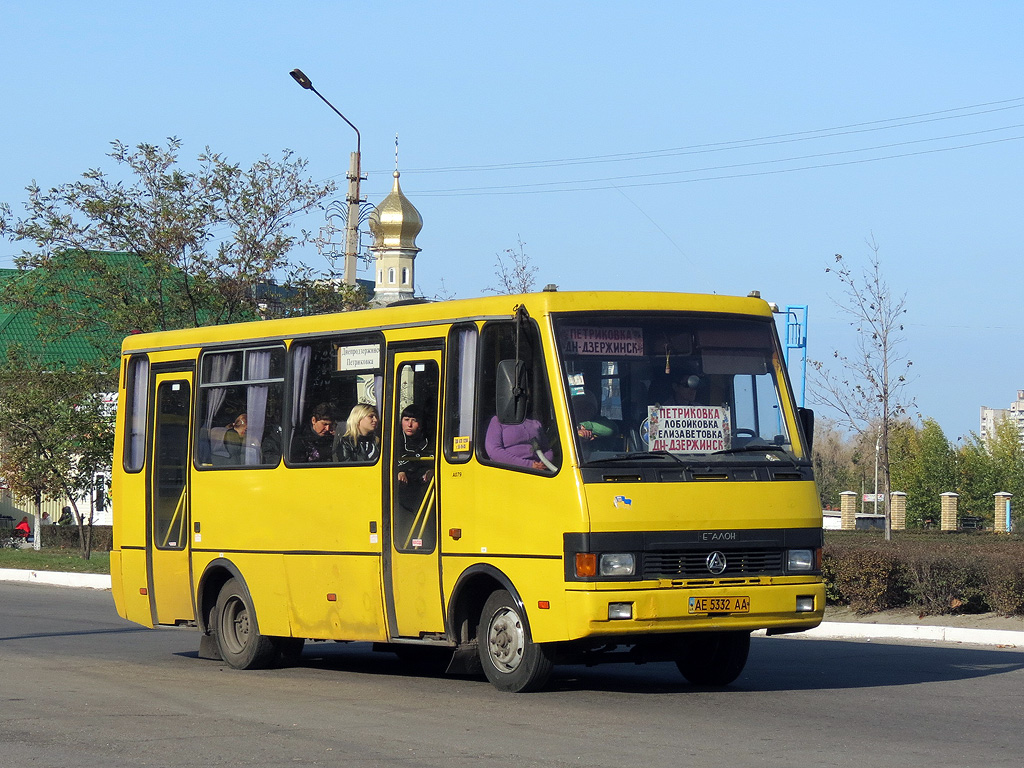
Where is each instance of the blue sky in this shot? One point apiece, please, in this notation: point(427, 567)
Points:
point(706, 147)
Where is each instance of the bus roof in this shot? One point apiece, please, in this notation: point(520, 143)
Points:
point(441, 312)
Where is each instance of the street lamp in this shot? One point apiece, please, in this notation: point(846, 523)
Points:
point(352, 198)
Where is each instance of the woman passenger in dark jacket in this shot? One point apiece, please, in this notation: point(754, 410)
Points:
point(360, 442)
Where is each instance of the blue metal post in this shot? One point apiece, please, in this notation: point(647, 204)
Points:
point(796, 338)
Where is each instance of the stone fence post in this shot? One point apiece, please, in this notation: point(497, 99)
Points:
point(848, 510)
point(898, 510)
point(1003, 512)
point(949, 504)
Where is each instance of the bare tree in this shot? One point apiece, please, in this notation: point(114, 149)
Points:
point(867, 388)
point(515, 272)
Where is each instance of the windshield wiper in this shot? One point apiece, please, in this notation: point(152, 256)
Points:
point(759, 448)
point(637, 456)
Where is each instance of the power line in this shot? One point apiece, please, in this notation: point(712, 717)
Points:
point(615, 182)
point(783, 138)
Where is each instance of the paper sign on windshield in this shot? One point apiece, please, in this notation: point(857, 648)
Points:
point(607, 342)
point(689, 428)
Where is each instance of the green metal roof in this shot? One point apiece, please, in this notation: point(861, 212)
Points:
point(19, 327)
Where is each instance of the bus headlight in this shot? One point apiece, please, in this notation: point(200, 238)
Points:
point(800, 560)
point(618, 564)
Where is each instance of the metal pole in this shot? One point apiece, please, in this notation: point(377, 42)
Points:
point(352, 198)
point(352, 224)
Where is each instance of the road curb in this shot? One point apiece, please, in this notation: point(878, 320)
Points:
point(833, 630)
point(56, 578)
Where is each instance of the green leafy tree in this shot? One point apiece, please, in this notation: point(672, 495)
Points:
point(149, 246)
point(978, 478)
point(923, 465)
point(834, 468)
point(937, 473)
point(56, 433)
point(990, 466)
point(156, 246)
point(905, 464)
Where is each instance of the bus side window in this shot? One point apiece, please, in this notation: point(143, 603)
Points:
point(240, 408)
point(137, 386)
point(325, 389)
point(461, 390)
point(529, 443)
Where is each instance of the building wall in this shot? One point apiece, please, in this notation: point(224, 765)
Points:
point(992, 416)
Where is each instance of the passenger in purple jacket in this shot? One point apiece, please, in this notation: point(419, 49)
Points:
point(516, 444)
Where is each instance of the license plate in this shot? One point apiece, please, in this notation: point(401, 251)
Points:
point(720, 604)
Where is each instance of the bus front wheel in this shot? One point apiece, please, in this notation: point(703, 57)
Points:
point(240, 643)
point(511, 660)
point(713, 658)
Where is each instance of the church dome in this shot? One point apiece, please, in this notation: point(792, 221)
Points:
point(395, 222)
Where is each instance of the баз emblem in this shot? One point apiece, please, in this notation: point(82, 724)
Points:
point(716, 563)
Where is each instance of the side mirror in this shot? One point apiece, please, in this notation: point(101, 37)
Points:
point(510, 391)
point(807, 422)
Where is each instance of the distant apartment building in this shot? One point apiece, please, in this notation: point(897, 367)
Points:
point(992, 416)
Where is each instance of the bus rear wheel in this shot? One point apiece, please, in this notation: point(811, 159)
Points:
point(240, 643)
point(511, 660)
point(713, 658)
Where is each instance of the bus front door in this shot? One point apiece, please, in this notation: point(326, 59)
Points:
point(167, 500)
point(412, 581)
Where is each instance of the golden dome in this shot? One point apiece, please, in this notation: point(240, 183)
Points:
point(395, 222)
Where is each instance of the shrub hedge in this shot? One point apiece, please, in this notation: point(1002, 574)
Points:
point(928, 572)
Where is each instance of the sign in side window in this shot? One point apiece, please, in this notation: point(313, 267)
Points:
point(335, 385)
point(358, 357)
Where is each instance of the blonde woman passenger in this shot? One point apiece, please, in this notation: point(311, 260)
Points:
point(360, 442)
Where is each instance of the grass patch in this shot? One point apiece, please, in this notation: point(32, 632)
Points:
point(67, 560)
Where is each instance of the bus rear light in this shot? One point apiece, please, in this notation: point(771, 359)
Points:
point(586, 564)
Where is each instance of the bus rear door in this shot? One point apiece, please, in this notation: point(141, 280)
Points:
point(170, 596)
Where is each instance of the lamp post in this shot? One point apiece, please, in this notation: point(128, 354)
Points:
point(352, 198)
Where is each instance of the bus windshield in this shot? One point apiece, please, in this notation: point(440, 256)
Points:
point(673, 385)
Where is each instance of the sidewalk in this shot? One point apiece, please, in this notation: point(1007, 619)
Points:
point(828, 630)
point(56, 578)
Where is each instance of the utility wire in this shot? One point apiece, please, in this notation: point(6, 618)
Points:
point(783, 138)
point(585, 185)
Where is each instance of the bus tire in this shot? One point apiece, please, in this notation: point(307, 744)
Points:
point(511, 660)
point(240, 644)
point(713, 658)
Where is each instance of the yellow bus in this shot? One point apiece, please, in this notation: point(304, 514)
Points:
point(498, 484)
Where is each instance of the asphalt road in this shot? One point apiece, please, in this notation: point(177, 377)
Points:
point(81, 687)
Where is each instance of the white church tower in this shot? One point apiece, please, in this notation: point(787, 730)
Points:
point(394, 225)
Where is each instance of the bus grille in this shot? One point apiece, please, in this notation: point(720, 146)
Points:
point(676, 564)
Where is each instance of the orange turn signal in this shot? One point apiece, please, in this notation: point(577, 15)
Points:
point(586, 564)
